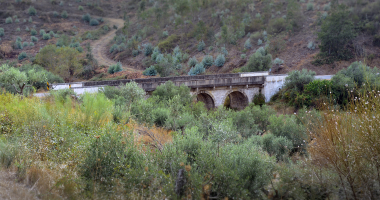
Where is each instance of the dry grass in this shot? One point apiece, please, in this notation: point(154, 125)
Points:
point(348, 143)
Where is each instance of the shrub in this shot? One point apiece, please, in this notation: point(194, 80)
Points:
point(31, 44)
point(326, 7)
point(287, 126)
point(86, 17)
point(89, 36)
point(248, 44)
point(311, 45)
point(259, 99)
point(148, 49)
point(27, 29)
point(55, 14)
point(259, 42)
point(80, 8)
point(33, 32)
point(42, 32)
point(79, 49)
point(1, 32)
point(115, 68)
point(201, 46)
point(224, 51)
point(243, 56)
point(197, 69)
point(30, 20)
point(94, 22)
point(22, 55)
point(114, 27)
point(18, 45)
point(61, 3)
point(207, 61)
point(18, 39)
point(259, 61)
point(220, 60)
point(74, 45)
point(135, 53)
point(51, 33)
point(17, 20)
point(18, 1)
point(151, 71)
point(9, 20)
point(169, 43)
point(192, 62)
point(32, 10)
point(25, 44)
point(165, 34)
point(337, 31)
point(278, 61)
point(46, 36)
point(310, 7)
point(64, 14)
point(298, 79)
point(376, 41)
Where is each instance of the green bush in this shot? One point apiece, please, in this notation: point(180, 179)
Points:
point(94, 22)
point(259, 99)
point(135, 53)
point(298, 79)
point(55, 14)
point(1, 32)
point(169, 43)
point(201, 46)
point(165, 34)
point(261, 60)
point(32, 10)
point(31, 44)
point(64, 14)
point(124, 94)
point(86, 17)
point(192, 62)
point(148, 49)
point(7, 152)
point(80, 8)
point(207, 61)
point(220, 60)
point(151, 71)
point(74, 45)
point(278, 61)
point(113, 48)
point(33, 32)
point(287, 126)
point(18, 45)
point(27, 29)
point(79, 49)
point(17, 20)
point(311, 45)
point(247, 44)
point(46, 36)
point(9, 20)
point(115, 68)
point(275, 146)
point(22, 55)
point(224, 51)
point(42, 32)
point(168, 90)
point(310, 7)
point(18, 39)
point(197, 69)
point(337, 31)
point(25, 44)
point(30, 20)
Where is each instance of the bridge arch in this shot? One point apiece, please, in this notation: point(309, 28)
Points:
point(207, 98)
point(236, 99)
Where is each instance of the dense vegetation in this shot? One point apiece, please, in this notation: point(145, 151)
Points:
point(117, 144)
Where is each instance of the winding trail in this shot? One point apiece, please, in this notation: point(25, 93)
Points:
point(99, 47)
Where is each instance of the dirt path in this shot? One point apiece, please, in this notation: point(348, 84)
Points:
point(99, 47)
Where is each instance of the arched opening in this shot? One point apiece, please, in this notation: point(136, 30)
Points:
point(236, 100)
point(206, 99)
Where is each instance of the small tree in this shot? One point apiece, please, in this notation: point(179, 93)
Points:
point(151, 71)
point(337, 31)
point(32, 10)
point(298, 79)
point(12, 77)
point(259, 61)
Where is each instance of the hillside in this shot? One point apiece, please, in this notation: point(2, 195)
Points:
point(235, 28)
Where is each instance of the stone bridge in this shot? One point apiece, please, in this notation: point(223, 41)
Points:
point(237, 90)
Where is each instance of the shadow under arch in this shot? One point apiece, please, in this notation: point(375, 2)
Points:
point(207, 99)
point(236, 100)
